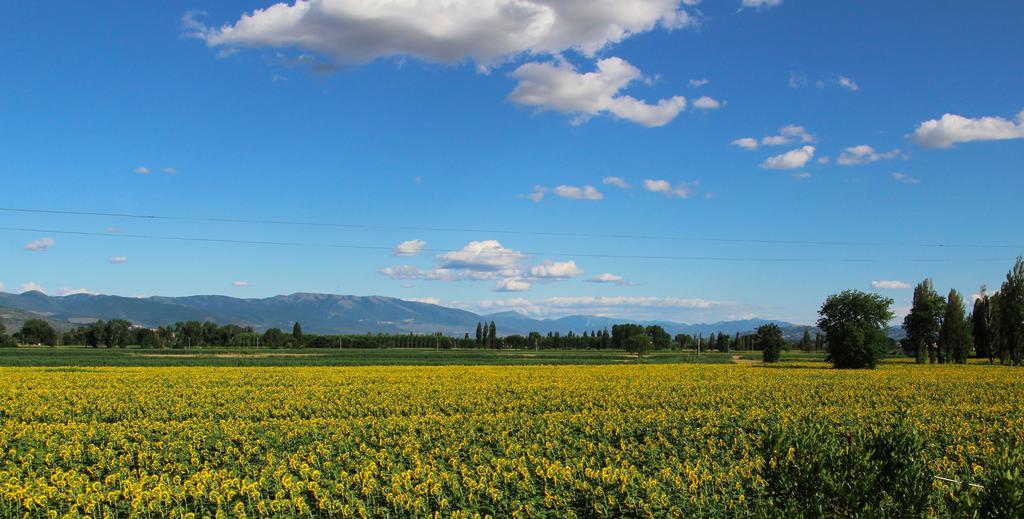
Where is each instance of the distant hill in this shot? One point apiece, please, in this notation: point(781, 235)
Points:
point(324, 313)
point(13, 318)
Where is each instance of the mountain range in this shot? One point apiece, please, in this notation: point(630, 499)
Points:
point(321, 313)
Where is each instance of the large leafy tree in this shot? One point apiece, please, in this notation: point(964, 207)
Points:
point(37, 331)
point(854, 325)
point(639, 344)
point(661, 339)
point(955, 334)
point(923, 322)
point(770, 341)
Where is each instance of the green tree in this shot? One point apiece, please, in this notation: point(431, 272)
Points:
point(770, 341)
point(854, 325)
point(479, 333)
point(118, 333)
point(5, 340)
point(274, 338)
point(923, 322)
point(492, 335)
point(955, 334)
point(1011, 314)
point(37, 331)
point(622, 332)
point(639, 344)
point(981, 325)
point(297, 334)
point(659, 337)
point(805, 342)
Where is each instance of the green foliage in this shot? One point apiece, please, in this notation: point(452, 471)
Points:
point(923, 322)
point(815, 470)
point(1010, 309)
point(37, 331)
point(854, 325)
point(955, 334)
point(770, 341)
point(622, 332)
point(297, 333)
point(274, 338)
point(639, 344)
point(659, 337)
point(981, 325)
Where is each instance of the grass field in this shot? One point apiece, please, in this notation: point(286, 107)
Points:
point(685, 440)
point(81, 356)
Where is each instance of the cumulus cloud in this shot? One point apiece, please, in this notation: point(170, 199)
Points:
point(747, 143)
point(848, 84)
point(118, 260)
point(905, 179)
point(559, 87)
point(486, 32)
point(788, 134)
point(706, 103)
point(408, 248)
point(42, 244)
point(952, 128)
point(792, 159)
point(618, 182)
point(889, 285)
point(537, 194)
point(486, 256)
point(31, 287)
point(697, 83)
point(142, 169)
point(511, 285)
point(578, 193)
point(240, 283)
point(680, 190)
point(864, 154)
point(555, 270)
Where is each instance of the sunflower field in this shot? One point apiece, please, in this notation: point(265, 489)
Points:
point(512, 441)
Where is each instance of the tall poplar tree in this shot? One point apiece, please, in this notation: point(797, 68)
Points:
point(981, 320)
point(955, 334)
point(923, 321)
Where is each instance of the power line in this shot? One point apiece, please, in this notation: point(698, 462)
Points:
point(300, 223)
point(500, 252)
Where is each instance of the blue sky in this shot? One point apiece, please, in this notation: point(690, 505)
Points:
point(496, 117)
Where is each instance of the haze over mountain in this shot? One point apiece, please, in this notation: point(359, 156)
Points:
point(321, 313)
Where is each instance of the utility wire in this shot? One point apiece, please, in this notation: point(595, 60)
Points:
point(181, 218)
point(498, 252)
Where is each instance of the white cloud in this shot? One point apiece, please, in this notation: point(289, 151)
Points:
point(905, 179)
point(409, 248)
point(747, 143)
point(848, 84)
point(952, 128)
point(559, 87)
point(864, 154)
point(760, 4)
point(511, 285)
point(485, 31)
point(31, 287)
point(629, 307)
point(792, 159)
point(2, 287)
point(240, 283)
point(170, 171)
point(697, 83)
point(555, 270)
point(426, 300)
point(609, 278)
point(578, 193)
point(681, 190)
point(803, 175)
point(706, 103)
point(73, 291)
point(142, 169)
point(787, 134)
point(42, 244)
point(618, 182)
point(889, 285)
point(118, 260)
point(537, 194)
point(823, 160)
point(486, 255)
